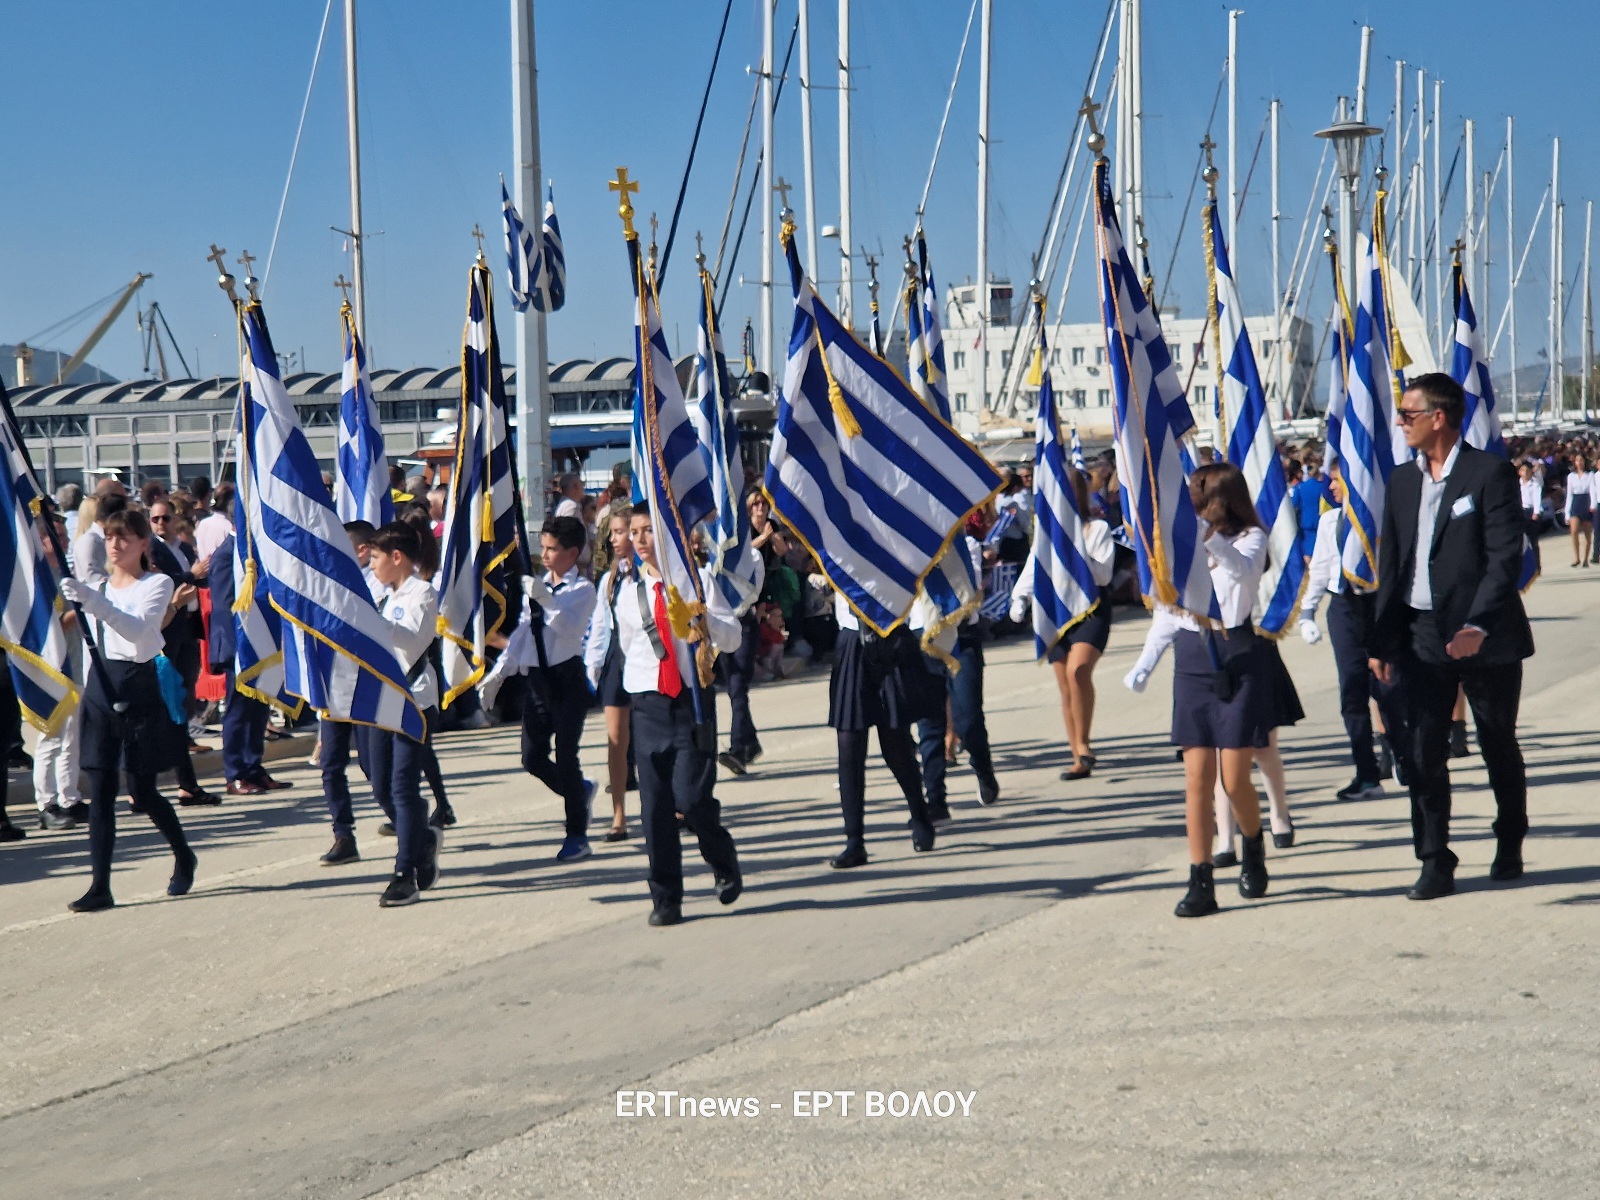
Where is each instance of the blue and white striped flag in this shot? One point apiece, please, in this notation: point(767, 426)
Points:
point(876, 485)
point(1064, 589)
point(553, 294)
point(1157, 507)
point(478, 563)
point(337, 651)
point(1360, 434)
point(361, 484)
point(735, 562)
point(925, 341)
point(1077, 452)
point(1247, 433)
point(524, 256)
point(30, 624)
point(687, 458)
point(1004, 520)
point(997, 591)
point(1480, 427)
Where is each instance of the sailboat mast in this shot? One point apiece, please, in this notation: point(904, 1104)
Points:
point(1588, 307)
point(1511, 261)
point(846, 276)
point(1437, 216)
point(1555, 280)
point(1277, 276)
point(1470, 250)
point(805, 136)
point(987, 19)
point(1233, 137)
point(533, 358)
point(769, 67)
point(353, 129)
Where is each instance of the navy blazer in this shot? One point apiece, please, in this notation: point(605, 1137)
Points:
point(219, 575)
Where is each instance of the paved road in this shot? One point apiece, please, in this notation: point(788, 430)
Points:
point(276, 1034)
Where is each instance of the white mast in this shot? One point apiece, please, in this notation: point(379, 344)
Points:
point(983, 203)
point(769, 67)
point(1554, 335)
point(805, 136)
point(1437, 216)
point(1470, 249)
point(1277, 277)
point(846, 296)
point(1419, 281)
point(533, 358)
point(1511, 262)
point(1588, 307)
point(1398, 203)
point(353, 129)
point(1233, 137)
point(1135, 95)
point(1480, 298)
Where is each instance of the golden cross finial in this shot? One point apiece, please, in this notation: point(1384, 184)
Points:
point(344, 286)
point(783, 188)
point(1456, 249)
point(623, 186)
point(477, 232)
point(1097, 140)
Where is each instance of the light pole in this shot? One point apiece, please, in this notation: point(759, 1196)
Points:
point(1349, 138)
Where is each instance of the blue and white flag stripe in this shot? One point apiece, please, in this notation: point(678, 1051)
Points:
point(1001, 583)
point(1252, 447)
point(1172, 562)
point(1077, 451)
point(361, 482)
point(30, 624)
point(875, 484)
point(480, 534)
point(524, 258)
point(687, 458)
point(552, 293)
point(925, 343)
point(338, 652)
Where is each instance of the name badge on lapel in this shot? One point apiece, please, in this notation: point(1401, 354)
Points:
point(1462, 507)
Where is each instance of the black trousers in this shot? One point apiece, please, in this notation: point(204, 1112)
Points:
point(556, 712)
point(898, 756)
point(1428, 683)
point(1349, 617)
point(738, 670)
point(676, 776)
point(966, 713)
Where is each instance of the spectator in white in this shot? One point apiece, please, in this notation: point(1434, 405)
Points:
point(1580, 509)
point(214, 530)
point(68, 497)
point(88, 553)
point(570, 486)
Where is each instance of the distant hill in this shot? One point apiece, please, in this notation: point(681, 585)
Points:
point(45, 365)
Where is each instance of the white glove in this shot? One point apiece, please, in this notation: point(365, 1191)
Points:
point(1310, 632)
point(534, 589)
point(1019, 608)
point(72, 591)
point(1135, 680)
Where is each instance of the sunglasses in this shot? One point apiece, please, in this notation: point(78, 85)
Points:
point(161, 520)
point(1407, 415)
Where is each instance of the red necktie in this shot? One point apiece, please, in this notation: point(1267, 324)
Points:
point(668, 682)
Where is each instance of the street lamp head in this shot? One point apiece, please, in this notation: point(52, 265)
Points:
point(1347, 138)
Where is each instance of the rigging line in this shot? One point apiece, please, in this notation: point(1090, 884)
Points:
point(68, 322)
point(1194, 181)
point(162, 314)
point(949, 99)
point(738, 175)
point(1522, 262)
point(755, 182)
point(1305, 225)
point(305, 105)
point(694, 144)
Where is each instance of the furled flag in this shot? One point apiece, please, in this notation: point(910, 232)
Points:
point(687, 457)
point(1173, 569)
point(478, 561)
point(876, 485)
point(1480, 425)
point(735, 562)
point(337, 652)
point(1248, 436)
point(926, 339)
point(1077, 451)
point(30, 626)
point(1359, 436)
point(554, 293)
point(524, 256)
point(1064, 589)
point(361, 484)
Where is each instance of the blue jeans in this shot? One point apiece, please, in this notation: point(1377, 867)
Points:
point(336, 738)
point(395, 765)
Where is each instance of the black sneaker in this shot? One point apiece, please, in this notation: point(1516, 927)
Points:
point(939, 812)
point(11, 833)
point(386, 830)
point(666, 914)
point(342, 851)
point(729, 889)
point(428, 866)
point(988, 791)
point(53, 816)
point(1360, 789)
point(922, 836)
point(443, 818)
point(402, 890)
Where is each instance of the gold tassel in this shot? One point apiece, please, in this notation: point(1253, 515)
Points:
point(841, 408)
point(247, 588)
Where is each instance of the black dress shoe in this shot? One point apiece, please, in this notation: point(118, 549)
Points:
point(1282, 841)
point(11, 833)
point(938, 812)
point(79, 812)
point(1431, 884)
point(443, 818)
point(92, 901)
point(1201, 898)
point(988, 791)
point(731, 762)
point(922, 836)
point(1253, 867)
point(729, 890)
point(342, 851)
point(666, 914)
point(1225, 858)
point(853, 855)
point(1507, 863)
point(183, 875)
point(53, 816)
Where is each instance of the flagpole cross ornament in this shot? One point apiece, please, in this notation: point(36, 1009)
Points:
point(1097, 140)
point(783, 187)
point(699, 250)
point(477, 232)
point(225, 281)
point(344, 286)
point(624, 186)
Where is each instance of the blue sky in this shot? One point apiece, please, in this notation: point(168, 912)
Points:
point(142, 133)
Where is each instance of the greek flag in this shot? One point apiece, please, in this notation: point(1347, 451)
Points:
point(925, 340)
point(1064, 590)
point(686, 455)
point(1003, 522)
point(337, 652)
point(1077, 452)
point(1247, 433)
point(876, 486)
point(30, 626)
point(257, 628)
point(1480, 427)
point(524, 258)
point(1173, 569)
point(553, 295)
point(1359, 431)
point(735, 562)
point(997, 594)
point(476, 561)
point(361, 485)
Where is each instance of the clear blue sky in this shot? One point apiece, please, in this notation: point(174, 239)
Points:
point(141, 133)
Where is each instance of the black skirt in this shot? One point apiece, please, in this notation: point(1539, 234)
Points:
point(612, 693)
point(1285, 706)
point(882, 682)
point(1094, 630)
point(1200, 715)
point(142, 740)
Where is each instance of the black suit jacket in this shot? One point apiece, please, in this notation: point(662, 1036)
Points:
point(220, 577)
point(1474, 560)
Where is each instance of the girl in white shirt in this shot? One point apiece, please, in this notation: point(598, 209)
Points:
point(1580, 509)
point(1221, 697)
point(603, 659)
point(126, 726)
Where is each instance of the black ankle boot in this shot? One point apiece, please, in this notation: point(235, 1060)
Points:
point(1253, 867)
point(1201, 898)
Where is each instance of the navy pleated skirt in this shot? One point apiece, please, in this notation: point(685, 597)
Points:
point(1285, 704)
point(882, 682)
point(1200, 716)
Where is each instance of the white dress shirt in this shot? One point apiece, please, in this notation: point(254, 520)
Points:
point(1420, 595)
point(129, 619)
point(568, 605)
point(1532, 496)
point(1579, 484)
point(640, 667)
point(1098, 548)
point(412, 611)
point(568, 507)
point(1326, 573)
point(597, 642)
point(210, 533)
point(1237, 564)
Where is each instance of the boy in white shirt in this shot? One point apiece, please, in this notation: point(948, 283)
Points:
point(334, 738)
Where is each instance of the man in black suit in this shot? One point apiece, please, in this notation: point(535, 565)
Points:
point(1448, 615)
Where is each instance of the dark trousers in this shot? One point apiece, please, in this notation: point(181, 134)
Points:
point(558, 718)
point(1429, 679)
point(739, 670)
point(898, 756)
point(244, 733)
point(395, 769)
point(1349, 617)
point(102, 796)
point(966, 713)
point(335, 739)
point(676, 776)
